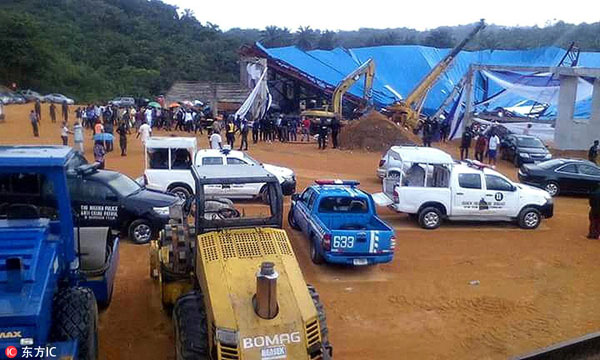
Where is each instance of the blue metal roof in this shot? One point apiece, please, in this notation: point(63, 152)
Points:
point(34, 156)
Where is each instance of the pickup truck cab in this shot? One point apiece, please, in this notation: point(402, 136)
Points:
point(432, 187)
point(341, 224)
point(169, 161)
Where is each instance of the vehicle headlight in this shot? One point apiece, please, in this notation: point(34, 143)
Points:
point(227, 337)
point(524, 155)
point(164, 211)
point(548, 156)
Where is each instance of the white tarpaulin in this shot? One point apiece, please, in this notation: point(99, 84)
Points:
point(259, 100)
point(542, 87)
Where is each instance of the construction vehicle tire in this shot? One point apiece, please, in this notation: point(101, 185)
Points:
point(326, 345)
point(191, 335)
point(75, 317)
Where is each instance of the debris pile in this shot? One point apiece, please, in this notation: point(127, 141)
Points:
point(374, 132)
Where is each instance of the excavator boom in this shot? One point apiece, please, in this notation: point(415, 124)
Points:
point(367, 69)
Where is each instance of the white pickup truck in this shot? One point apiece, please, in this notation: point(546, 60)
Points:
point(169, 161)
point(432, 187)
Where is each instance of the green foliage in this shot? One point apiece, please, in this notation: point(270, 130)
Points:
point(96, 49)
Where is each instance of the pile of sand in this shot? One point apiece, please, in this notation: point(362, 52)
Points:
point(374, 132)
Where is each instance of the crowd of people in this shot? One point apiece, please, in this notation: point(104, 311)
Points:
point(487, 143)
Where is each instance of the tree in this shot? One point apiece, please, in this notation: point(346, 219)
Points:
point(306, 37)
point(439, 38)
point(273, 36)
point(327, 41)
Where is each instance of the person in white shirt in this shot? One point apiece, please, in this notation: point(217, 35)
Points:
point(215, 141)
point(149, 117)
point(145, 131)
point(493, 148)
point(527, 129)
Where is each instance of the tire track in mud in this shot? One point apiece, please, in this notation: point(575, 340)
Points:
point(490, 325)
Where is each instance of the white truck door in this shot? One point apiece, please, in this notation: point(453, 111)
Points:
point(468, 195)
point(502, 196)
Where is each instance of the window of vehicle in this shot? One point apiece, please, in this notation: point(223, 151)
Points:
point(76, 161)
point(496, 183)
point(26, 196)
point(550, 164)
point(235, 161)
point(530, 142)
point(343, 204)
point(312, 199)
point(469, 181)
point(158, 158)
point(94, 191)
point(212, 160)
point(306, 195)
point(589, 170)
point(569, 168)
point(124, 185)
point(181, 159)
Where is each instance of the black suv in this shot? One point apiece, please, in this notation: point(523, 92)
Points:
point(522, 149)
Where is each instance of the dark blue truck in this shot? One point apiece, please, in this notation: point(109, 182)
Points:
point(341, 224)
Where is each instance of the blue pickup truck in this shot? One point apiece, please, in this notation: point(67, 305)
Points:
point(341, 224)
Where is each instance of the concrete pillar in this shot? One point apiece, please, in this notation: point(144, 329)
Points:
point(563, 135)
point(468, 117)
point(594, 129)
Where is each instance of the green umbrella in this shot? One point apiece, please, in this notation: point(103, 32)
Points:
point(154, 104)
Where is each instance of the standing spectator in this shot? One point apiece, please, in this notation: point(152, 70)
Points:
point(253, 124)
point(594, 215)
point(322, 134)
point(244, 134)
point(527, 129)
point(148, 115)
point(99, 153)
point(465, 143)
point(444, 131)
point(109, 129)
point(65, 111)
point(2, 116)
point(98, 128)
point(284, 134)
point(215, 140)
point(38, 110)
point(335, 130)
point(52, 112)
point(145, 131)
point(188, 121)
point(78, 114)
point(305, 129)
point(34, 123)
point(78, 137)
point(293, 128)
point(427, 133)
point(230, 133)
point(593, 152)
point(480, 147)
point(493, 148)
point(64, 133)
point(123, 130)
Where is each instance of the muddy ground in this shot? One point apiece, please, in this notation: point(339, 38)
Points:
point(535, 287)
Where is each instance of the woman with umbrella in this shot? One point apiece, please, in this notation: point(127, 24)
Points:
point(99, 153)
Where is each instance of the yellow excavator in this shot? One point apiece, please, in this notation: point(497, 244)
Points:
point(408, 111)
point(368, 70)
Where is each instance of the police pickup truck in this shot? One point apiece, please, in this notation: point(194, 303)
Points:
point(341, 224)
point(432, 187)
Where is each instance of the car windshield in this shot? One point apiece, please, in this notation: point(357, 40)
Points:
point(551, 164)
point(530, 142)
point(27, 196)
point(124, 185)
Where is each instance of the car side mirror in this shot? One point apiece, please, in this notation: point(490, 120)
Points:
point(295, 197)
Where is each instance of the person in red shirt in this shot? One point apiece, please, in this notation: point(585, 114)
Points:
point(305, 129)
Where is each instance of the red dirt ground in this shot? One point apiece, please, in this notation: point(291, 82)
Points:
point(536, 287)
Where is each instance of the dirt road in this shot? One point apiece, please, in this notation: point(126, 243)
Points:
point(536, 287)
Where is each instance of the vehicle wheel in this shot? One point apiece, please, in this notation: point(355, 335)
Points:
point(394, 175)
point(264, 194)
point(516, 161)
point(292, 221)
point(140, 231)
point(189, 319)
point(430, 218)
point(529, 218)
point(326, 347)
point(75, 317)
point(315, 256)
point(552, 188)
point(181, 191)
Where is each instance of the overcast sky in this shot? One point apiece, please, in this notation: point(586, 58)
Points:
point(381, 14)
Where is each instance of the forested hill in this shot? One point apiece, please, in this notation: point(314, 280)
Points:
point(97, 49)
